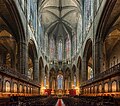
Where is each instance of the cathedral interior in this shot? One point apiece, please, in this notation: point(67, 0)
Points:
point(59, 52)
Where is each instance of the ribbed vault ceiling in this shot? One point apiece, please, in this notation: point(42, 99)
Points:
point(60, 17)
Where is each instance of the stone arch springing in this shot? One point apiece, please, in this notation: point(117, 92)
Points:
point(88, 60)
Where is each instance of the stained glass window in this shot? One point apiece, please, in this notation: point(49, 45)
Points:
point(67, 48)
point(60, 50)
point(52, 48)
point(74, 44)
point(79, 32)
point(60, 81)
point(88, 13)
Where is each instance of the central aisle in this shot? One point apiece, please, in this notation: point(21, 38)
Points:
point(60, 103)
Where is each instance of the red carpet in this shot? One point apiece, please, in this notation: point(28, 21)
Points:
point(59, 102)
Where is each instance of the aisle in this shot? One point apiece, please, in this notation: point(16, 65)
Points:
point(60, 103)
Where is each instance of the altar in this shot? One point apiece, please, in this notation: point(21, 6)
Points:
point(59, 92)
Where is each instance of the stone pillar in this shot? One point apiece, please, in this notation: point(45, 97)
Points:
point(13, 60)
point(47, 81)
point(72, 79)
point(118, 85)
point(4, 85)
point(12, 86)
point(23, 57)
point(42, 77)
point(98, 57)
point(78, 81)
point(64, 84)
point(84, 70)
point(36, 70)
point(110, 86)
point(70, 84)
point(103, 90)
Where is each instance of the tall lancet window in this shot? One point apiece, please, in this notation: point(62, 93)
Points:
point(67, 48)
point(60, 50)
point(60, 81)
point(52, 47)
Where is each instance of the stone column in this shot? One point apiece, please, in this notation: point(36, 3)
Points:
point(72, 79)
point(23, 58)
point(3, 84)
point(36, 70)
point(12, 86)
point(13, 60)
point(110, 86)
point(64, 84)
point(78, 81)
point(118, 85)
point(47, 81)
point(98, 57)
point(42, 77)
point(84, 70)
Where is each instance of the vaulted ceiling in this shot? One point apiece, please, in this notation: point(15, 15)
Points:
point(60, 17)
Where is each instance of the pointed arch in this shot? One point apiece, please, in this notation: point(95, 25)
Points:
point(18, 28)
point(87, 58)
point(32, 57)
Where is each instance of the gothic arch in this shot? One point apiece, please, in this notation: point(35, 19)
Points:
point(32, 58)
point(88, 61)
point(18, 27)
point(108, 24)
point(104, 19)
point(12, 23)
